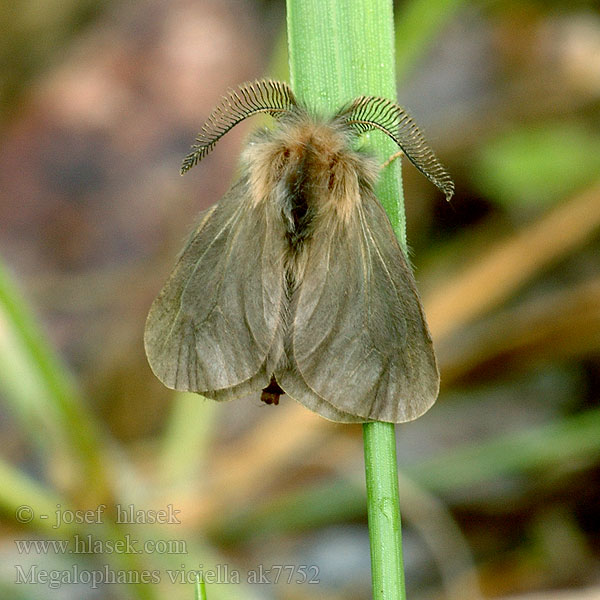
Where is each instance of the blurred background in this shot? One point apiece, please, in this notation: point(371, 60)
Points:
point(499, 481)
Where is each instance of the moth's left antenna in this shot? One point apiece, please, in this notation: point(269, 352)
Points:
point(264, 96)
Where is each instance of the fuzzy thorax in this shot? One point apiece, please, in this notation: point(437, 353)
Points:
point(309, 169)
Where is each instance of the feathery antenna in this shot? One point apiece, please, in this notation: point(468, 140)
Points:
point(370, 112)
point(264, 96)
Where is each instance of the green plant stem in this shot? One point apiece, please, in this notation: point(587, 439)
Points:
point(339, 50)
point(383, 509)
point(44, 394)
point(200, 590)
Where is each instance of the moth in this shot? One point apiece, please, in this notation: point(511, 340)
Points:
point(294, 282)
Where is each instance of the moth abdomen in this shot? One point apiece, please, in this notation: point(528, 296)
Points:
point(271, 393)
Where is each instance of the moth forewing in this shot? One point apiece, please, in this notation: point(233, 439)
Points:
point(359, 336)
point(413, 376)
point(213, 323)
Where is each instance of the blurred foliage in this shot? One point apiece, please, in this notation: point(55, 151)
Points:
point(501, 479)
point(529, 168)
point(34, 35)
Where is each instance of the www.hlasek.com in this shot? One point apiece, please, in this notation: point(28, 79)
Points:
point(94, 578)
point(88, 544)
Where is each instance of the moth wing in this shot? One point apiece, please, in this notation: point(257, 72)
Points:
point(359, 339)
point(211, 327)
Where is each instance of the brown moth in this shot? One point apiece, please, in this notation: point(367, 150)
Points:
point(294, 282)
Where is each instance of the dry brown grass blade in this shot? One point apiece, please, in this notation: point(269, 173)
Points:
point(558, 325)
point(491, 279)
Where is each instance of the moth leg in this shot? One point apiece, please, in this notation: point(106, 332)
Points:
point(391, 159)
point(270, 394)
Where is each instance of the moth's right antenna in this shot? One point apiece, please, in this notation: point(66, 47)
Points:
point(369, 112)
point(264, 96)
